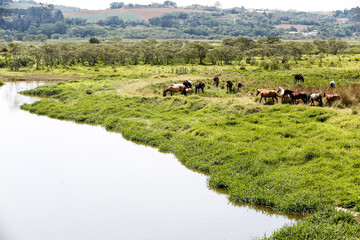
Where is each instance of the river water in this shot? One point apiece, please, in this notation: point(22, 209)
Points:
point(60, 180)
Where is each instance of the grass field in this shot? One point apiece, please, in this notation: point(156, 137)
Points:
point(290, 158)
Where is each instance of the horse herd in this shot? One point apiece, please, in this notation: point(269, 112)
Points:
point(186, 88)
point(295, 95)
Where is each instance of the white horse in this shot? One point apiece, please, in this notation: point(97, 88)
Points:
point(315, 97)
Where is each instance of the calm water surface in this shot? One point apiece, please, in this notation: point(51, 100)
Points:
point(65, 181)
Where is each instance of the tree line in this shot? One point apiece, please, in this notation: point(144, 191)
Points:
point(153, 52)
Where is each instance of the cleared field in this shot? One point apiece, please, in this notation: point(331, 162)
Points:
point(143, 13)
point(287, 26)
point(98, 17)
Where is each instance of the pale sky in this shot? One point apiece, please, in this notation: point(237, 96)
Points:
point(304, 5)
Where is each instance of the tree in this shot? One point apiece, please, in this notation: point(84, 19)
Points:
point(202, 49)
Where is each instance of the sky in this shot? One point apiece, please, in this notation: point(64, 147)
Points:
point(303, 5)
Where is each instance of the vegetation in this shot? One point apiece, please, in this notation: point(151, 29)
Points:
point(37, 21)
point(1, 83)
point(295, 159)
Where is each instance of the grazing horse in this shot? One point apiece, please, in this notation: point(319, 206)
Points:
point(315, 97)
point(216, 81)
point(267, 93)
point(298, 78)
point(173, 88)
point(332, 84)
point(187, 84)
point(239, 85)
point(198, 86)
point(229, 86)
point(296, 95)
point(331, 97)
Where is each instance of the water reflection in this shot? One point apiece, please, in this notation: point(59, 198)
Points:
point(61, 180)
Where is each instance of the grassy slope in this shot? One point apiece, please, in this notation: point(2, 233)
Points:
point(296, 159)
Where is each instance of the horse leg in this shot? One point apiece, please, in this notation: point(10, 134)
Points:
point(260, 99)
point(202, 90)
point(277, 101)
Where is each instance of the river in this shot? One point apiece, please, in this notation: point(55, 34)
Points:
point(60, 180)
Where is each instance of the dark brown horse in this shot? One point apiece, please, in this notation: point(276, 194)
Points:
point(296, 95)
point(229, 86)
point(198, 86)
point(187, 84)
point(239, 85)
point(216, 81)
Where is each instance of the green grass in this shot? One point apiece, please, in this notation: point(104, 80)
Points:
point(1, 83)
point(293, 159)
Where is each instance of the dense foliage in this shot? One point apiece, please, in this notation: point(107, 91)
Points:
point(273, 52)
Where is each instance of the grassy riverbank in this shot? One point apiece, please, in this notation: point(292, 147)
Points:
point(1, 83)
point(294, 159)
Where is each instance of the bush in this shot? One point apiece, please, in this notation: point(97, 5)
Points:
point(94, 40)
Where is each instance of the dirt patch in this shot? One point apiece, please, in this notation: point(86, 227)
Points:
point(144, 13)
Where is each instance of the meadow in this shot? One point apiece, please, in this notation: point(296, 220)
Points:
point(290, 158)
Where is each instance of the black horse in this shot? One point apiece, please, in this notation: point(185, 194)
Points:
point(298, 78)
point(187, 84)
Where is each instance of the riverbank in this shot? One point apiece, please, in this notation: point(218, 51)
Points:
point(294, 159)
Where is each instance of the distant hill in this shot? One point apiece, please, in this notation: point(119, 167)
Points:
point(131, 14)
point(21, 21)
point(26, 4)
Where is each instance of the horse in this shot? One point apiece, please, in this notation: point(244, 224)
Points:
point(173, 88)
point(281, 93)
point(198, 86)
point(188, 90)
point(216, 81)
point(298, 78)
point(332, 84)
point(239, 85)
point(315, 97)
point(331, 97)
point(187, 84)
point(267, 93)
point(296, 95)
point(229, 86)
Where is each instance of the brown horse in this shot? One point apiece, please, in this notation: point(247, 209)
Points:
point(239, 85)
point(216, 81)
point(296, 95)
point(229, 86)
point(174, 88)
point(264, 93)
point(198, 86)
point(331, 97)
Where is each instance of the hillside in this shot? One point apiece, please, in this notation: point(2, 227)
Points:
point(161, 21)
point(141, 13)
